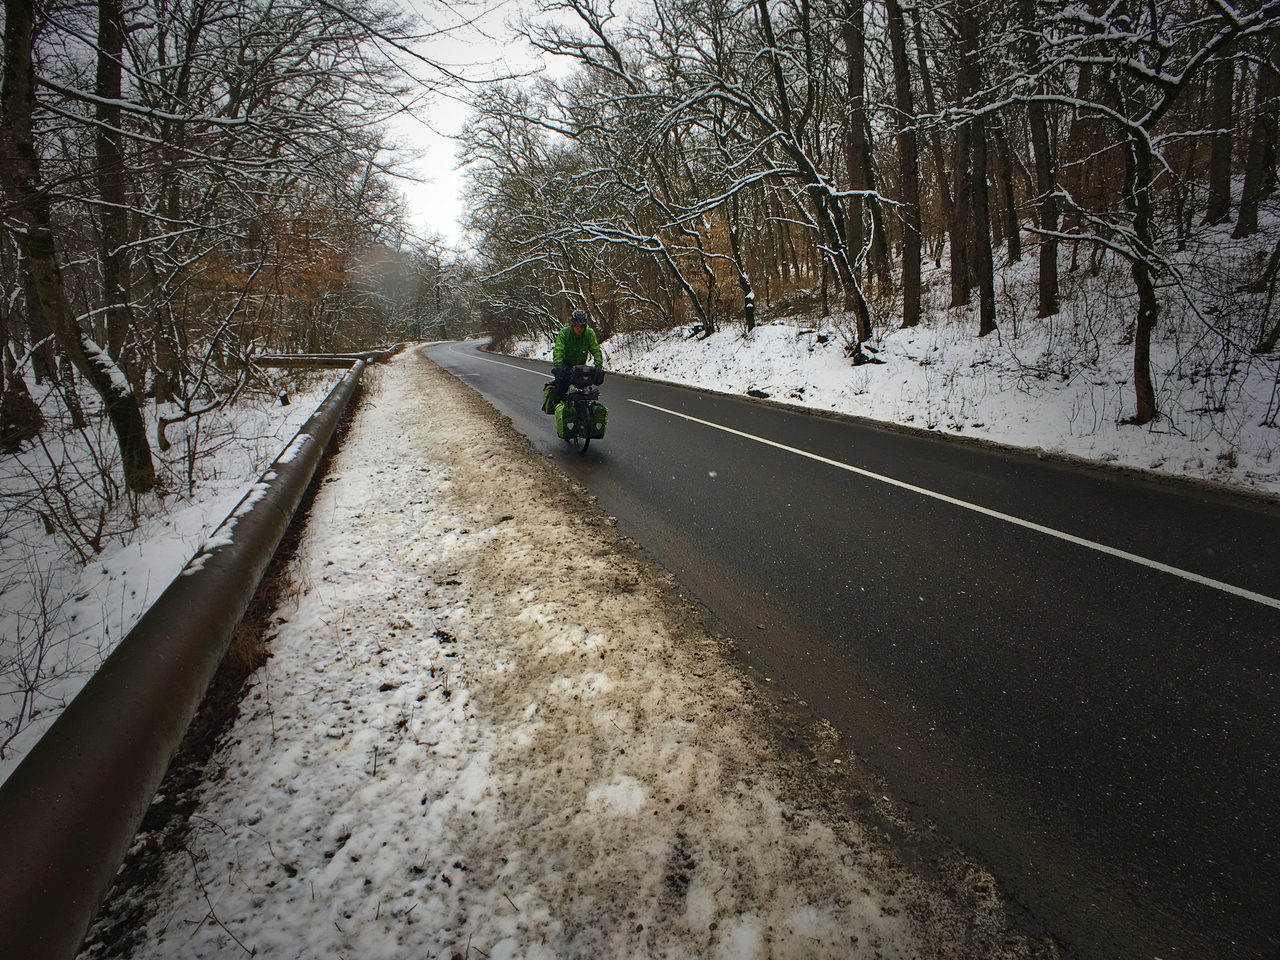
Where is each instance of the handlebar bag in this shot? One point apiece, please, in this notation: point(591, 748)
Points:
point(587, 376)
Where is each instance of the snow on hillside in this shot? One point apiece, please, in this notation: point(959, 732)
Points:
point(1063, 385)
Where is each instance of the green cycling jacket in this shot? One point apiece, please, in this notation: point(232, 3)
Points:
point(572, 350)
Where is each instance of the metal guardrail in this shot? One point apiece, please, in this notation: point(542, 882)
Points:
point(70, 810)
point(326, 359)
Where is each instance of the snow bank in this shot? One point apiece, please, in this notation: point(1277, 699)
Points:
point(1063, 386)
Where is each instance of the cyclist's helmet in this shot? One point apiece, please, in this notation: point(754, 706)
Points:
point(578, 318)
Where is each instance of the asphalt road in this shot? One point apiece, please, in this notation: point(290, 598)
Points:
point(1074, 673)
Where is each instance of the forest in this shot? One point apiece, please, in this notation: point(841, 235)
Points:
point(714, 162)
point(1082, 194)
point(186, 186)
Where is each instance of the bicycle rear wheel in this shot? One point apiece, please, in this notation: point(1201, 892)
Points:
point(581, 427)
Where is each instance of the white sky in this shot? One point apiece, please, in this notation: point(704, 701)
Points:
point(477, 46)
point(434, 205)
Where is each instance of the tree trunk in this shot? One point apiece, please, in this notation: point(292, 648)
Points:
point(20, 417)
point(29, 203)
point(744, 279)
point(1046, 181)
point(71, 394)
point(1047, 209)
point(113, 216)
point(709, 276)
point(908, 167)
point(828, 215)
point(1138, 196)
point(881, 262)
point(1268, 343)
point(961, 217)
point(45, 361)
point(1221, 107)
point(968, 80)
point(982, 254)
point(856, 146)
point(1260, 163)
point(824, 304)
point(1008, 202)
point(946, 204)
point(1265, 284)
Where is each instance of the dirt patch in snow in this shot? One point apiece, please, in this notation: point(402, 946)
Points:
point(491, 724)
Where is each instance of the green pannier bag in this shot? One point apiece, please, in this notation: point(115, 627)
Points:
point(549, 398)
point(599, 420)
point(564, 420)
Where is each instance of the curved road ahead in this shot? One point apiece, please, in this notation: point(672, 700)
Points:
point(1074, 673)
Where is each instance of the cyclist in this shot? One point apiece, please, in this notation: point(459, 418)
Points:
point(574, 343)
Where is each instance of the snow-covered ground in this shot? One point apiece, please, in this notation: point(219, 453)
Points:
point(1062, 385)
point(489, 725)
point(60, 616)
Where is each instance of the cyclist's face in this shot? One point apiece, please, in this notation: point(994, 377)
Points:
point(578, 328)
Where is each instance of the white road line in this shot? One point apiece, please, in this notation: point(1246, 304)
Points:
point(986, 511)
point(473, 356)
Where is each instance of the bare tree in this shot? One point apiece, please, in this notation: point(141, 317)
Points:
point(1121, 44)
point(1260, 163)
point(908, 166)
point(190, 182)
point(30, 205)
point(1222, 96)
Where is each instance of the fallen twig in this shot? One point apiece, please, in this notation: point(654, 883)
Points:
point(195, 869)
